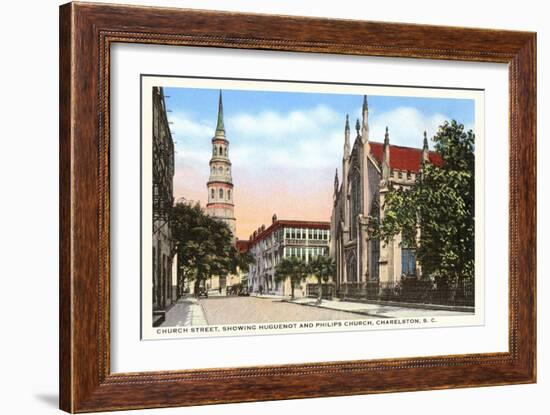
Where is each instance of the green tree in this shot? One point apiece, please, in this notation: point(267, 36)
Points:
point(323, 268)
point(203, 244)
point(436, 215)
point(294, 269)
point(242, 260)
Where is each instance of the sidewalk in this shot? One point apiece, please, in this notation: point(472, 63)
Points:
point(186, 312)
point(374, 310)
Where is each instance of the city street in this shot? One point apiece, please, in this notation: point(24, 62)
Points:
point(238, 310)
point(241, 310)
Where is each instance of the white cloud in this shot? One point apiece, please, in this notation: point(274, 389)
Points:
point(277, 125)
point(186, 128)
point(311, 138)
point(406, 125)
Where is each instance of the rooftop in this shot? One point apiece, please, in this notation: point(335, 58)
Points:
point(404, 158)
point(277, 224)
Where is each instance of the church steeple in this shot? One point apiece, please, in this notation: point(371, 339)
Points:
point(425, 149)
point(365, 123)
point(220, 127)
point(220, 183)
point(336, 182)
point(346, 138)
point(386, 157)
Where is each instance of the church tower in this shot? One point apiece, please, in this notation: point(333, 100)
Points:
point(220, 183)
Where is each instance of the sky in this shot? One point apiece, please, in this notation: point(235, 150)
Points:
point(285, 147)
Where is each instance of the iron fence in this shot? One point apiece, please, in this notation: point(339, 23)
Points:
point(328, 291)
point(411, 290)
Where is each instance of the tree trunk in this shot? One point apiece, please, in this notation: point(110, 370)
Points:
point(197, 287)
point(291, 290)
point(320, 291)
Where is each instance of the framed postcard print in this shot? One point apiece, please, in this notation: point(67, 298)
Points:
point(299, 207)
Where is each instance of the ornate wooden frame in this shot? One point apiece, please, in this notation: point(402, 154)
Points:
point(86, 33)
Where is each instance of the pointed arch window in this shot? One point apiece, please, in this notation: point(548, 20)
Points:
point(221, 193)
point(374, 246)
point(408, 261)
point(213, 194)
point(355, 201)
point(229, 194)
point(351, 267)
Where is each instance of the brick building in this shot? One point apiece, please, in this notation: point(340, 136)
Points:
point(284, 239)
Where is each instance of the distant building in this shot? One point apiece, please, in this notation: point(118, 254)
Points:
point(240, 277)
point(164, 284)
point(284, 239)
point(369, 169)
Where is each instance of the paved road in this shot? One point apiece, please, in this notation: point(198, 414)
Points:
point(241, 310)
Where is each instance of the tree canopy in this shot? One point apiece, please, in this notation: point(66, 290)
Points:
point(323, 268)
point(292, 268)
point(436, 215)
point(204, 244)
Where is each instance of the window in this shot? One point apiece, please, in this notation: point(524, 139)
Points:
point(213, 195)
point(229, 194)
point(374, 258)
point(215, 150)
point(408, 261)
point(352, 268)
point(355, 203)
point(221, 193)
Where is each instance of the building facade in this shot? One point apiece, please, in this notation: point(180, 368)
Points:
point(164, 284)
point(284, 239)
point(369, 170)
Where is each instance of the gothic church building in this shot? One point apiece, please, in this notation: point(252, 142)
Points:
point(369, 169)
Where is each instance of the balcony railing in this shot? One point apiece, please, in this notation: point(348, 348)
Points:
point(307, 242)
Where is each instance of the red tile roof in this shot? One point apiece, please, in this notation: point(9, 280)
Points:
point(242, 245)
point(404, 158)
